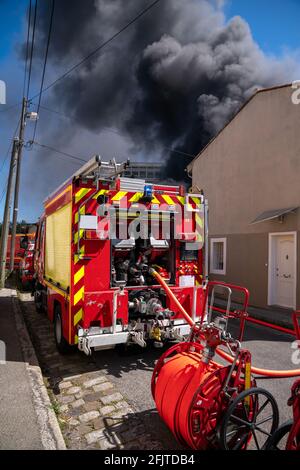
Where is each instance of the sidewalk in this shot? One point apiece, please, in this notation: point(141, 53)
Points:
point(275, 315)
point(26, 418)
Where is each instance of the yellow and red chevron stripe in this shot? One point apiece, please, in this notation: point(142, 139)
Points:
point(78, 265)
point(170, 199)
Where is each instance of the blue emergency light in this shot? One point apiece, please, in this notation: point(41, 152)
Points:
point(148, 191)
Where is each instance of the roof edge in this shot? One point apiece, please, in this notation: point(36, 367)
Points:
point(259, 90)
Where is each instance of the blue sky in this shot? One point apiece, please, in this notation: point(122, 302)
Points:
point(274, 25)
point(11, 22)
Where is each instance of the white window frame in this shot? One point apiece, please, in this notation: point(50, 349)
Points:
point(218, 240)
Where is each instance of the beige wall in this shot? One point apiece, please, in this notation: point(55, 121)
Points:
point(251, 167)
point(247, 265)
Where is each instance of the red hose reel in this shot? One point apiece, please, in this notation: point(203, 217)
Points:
point(208, 405)
point(193, 395)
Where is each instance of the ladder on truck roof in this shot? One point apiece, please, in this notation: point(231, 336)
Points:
point(96, 169)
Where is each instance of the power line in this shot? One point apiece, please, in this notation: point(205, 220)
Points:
point(110, 129)
point(185, 154)
point(114, 130)
point(32, 47)
point(45, 64)
point(48, 147)
point(27, 47)
point(101, 46)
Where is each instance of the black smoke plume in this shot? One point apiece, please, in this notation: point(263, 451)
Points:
point(172, 80)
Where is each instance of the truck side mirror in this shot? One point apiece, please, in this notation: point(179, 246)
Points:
point(24, 242)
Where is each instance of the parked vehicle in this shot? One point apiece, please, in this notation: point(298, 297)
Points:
point(92, 271)
point(26, 266)
point(22, 240)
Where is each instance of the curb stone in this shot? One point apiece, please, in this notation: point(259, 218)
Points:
point(51, 436)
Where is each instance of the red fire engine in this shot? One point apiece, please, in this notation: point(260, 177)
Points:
point(20, 247)
point(26, 265)
point(97, 241)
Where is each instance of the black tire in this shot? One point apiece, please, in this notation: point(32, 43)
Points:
point(62, 345)
point(240, 425)
point(38, 301)
point(274, 442)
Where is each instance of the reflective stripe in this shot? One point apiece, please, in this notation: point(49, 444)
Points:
point(81, 232)
point(79, 295)
point(78, 316)
point(196, 200)
point(168, 200)
point(136, 197)
point(81, 193)
point(77, 257)
point(199, 220)
point(150, 215)
point(181, 199)
point(82, 211)
point(58, 196)
point(119, 195)
point(79, 275)
point(154, 200)
point(99, 193)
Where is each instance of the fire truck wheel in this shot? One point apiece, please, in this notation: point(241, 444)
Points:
point(252, 417)
point(38, 301)
point(62, 345)
point(278, 440)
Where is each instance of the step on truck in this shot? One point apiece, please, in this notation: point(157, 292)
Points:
point(98, 239)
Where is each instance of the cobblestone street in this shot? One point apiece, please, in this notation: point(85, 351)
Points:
point(104, 401)
point(92, 412)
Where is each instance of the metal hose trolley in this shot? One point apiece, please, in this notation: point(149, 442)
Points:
point(287, 436)
point(207, 404)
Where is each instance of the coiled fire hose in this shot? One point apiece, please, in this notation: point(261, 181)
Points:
point(220, 352)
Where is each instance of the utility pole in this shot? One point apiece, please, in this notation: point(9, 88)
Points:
point(17, 184)
point(6, 215)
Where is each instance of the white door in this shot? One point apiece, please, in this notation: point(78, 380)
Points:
point(284, 275)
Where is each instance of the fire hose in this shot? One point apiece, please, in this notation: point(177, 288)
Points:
point(220, 352)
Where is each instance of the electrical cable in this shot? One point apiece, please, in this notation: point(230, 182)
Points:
point(48, 147)
point(27, 47)
point(44, 66)
point(31, 49)
point(101, 46)
point(114, 130)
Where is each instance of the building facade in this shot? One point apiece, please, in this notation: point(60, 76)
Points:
point(250, 174)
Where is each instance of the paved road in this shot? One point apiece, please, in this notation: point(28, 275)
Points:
point(131, 372)
point(269, 348)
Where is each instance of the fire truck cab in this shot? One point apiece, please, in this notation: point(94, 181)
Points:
point(97, 241)
point(26, 265)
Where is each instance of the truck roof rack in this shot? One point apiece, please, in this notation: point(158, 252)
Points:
point(95, 167)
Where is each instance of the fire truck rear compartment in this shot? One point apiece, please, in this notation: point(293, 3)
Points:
point(135, 309)
point(133, 304)
point(103, 282)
